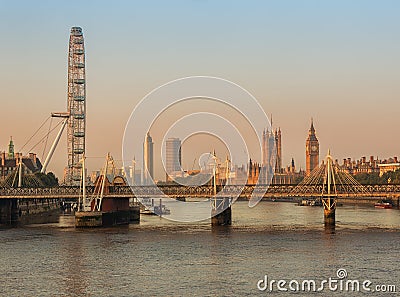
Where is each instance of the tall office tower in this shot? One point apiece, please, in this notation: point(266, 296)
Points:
point(148, 170)
point(173, 156)
point(312, 150)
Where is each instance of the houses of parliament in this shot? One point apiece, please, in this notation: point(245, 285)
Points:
point(270, 169)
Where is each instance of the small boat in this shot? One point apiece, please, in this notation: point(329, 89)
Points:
point(150, 208)
point(161, 210)
point(155, 210)
point(146, 211)
point(383, 204)
point(310, 202)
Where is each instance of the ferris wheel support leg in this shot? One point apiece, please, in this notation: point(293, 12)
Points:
point(53, 147)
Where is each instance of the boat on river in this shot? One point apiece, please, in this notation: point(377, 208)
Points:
point(310, 202)
point(384, 204)
point(149, 207)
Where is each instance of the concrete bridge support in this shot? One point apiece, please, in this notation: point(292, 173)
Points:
point(9, 211)
point(395, 200)
point(329, 211)
point(26, 211)
point(134, 213)
point(221, 213)
point(329, 217)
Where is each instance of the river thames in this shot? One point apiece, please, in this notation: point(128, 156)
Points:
point(161, 258)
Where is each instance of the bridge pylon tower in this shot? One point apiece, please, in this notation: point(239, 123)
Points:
point(329, 192)
point(221, 208)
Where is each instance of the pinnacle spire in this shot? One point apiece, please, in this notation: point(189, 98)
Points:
point(11, 148)
point(271, 121)
point(312, 129)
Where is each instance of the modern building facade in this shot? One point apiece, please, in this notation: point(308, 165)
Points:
point(173, 155)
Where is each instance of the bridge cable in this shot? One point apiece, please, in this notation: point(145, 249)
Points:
point(41, 140)
point(34, 134)
point(47, 138)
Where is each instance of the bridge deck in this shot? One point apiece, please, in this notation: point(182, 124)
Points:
point(273, 191)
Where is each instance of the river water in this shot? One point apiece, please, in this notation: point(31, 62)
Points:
point(161, 258)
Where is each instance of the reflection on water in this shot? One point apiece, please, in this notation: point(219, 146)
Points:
point(330, 229)
point(162, 258)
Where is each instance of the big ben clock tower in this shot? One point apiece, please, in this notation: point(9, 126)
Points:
point(312, 150)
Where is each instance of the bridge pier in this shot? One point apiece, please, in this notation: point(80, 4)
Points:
point(221, 213)
point(134, 213)
point(27, 211)
point(395, 200)
point(113, 211)
point(9, 211)
point(329, 211)
point(329, 217)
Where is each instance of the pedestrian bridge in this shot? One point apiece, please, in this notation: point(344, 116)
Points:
point(178, 191)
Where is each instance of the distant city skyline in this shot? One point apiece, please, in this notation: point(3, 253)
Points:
point(334, 61)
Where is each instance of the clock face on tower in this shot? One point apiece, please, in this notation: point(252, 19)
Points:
point(314, 148)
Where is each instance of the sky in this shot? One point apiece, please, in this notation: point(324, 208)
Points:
point(335, 61)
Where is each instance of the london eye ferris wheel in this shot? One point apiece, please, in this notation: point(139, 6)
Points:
point(76, 106)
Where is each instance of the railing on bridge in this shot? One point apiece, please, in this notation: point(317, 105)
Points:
point(191, 191)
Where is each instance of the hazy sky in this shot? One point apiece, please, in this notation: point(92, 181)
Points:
point(335, 61)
